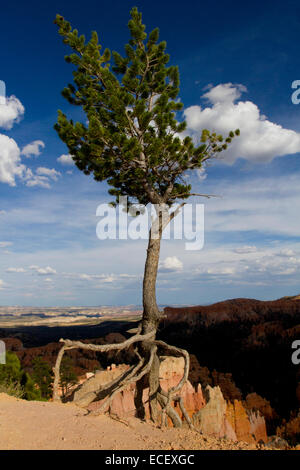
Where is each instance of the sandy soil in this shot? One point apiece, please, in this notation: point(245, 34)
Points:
point(46, 425)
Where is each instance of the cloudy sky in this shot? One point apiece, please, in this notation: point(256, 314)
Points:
point(237, 64)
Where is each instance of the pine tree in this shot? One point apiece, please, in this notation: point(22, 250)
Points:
point(42, 376)
point(10, 375)
point(31, 389)
point(15, 381)
point(132, 140)
point(11, 371)
point(68, 376)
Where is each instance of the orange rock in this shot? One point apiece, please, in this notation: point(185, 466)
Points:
point(212, 414)
point(258, 426)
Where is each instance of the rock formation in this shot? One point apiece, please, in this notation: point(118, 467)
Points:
point(210, 412)
point(87, 391)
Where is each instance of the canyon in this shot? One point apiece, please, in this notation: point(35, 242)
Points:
point(241, 347)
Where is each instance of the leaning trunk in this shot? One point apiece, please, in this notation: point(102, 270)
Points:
point(151, 318)
point(151, 314)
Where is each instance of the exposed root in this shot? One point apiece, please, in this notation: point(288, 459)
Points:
point(110, 387)
point(168, 410)
point(168, 397)
point(134, 374)
point(185, 413)
point(134, 378)
point(68, 344)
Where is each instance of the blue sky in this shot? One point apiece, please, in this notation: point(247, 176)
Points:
point(237, 62)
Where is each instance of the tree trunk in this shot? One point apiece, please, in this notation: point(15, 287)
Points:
point(151, 315)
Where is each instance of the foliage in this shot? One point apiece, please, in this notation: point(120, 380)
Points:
point(68, 378)
point(11, 388)
point(14, 381)
point(43, 376)
point(11, 371)
point(133, 138)
point(31, 390)
point(290, 431)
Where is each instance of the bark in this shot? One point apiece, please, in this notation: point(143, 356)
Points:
point(151, 314)
point(56, 371)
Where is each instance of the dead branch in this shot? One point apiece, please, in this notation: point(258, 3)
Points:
point(208, 196)
point(56, 371)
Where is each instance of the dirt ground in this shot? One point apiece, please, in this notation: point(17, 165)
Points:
point(29, 425)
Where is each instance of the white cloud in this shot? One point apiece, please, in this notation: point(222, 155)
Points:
point(224, 93)
point(272, 263)
point(42, 178)
point(43, 271)
point(34, 148)
point(16, 270)
point(260, 141)
point(1, 284)
point(11, 166)
point(66, 160)
point(245, 249)
point(266, 205)
point(221, 270)
point(103, 278)
point(50, 173)
point(10, 161)
point(11, 111)
point(171, 263)
point(5, 244)
point(286, 253)
point(86, 277)
point(201, 173)
point(108, 279)
point(35, 180)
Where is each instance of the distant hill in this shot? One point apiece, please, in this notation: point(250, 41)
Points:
point(291, 297)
